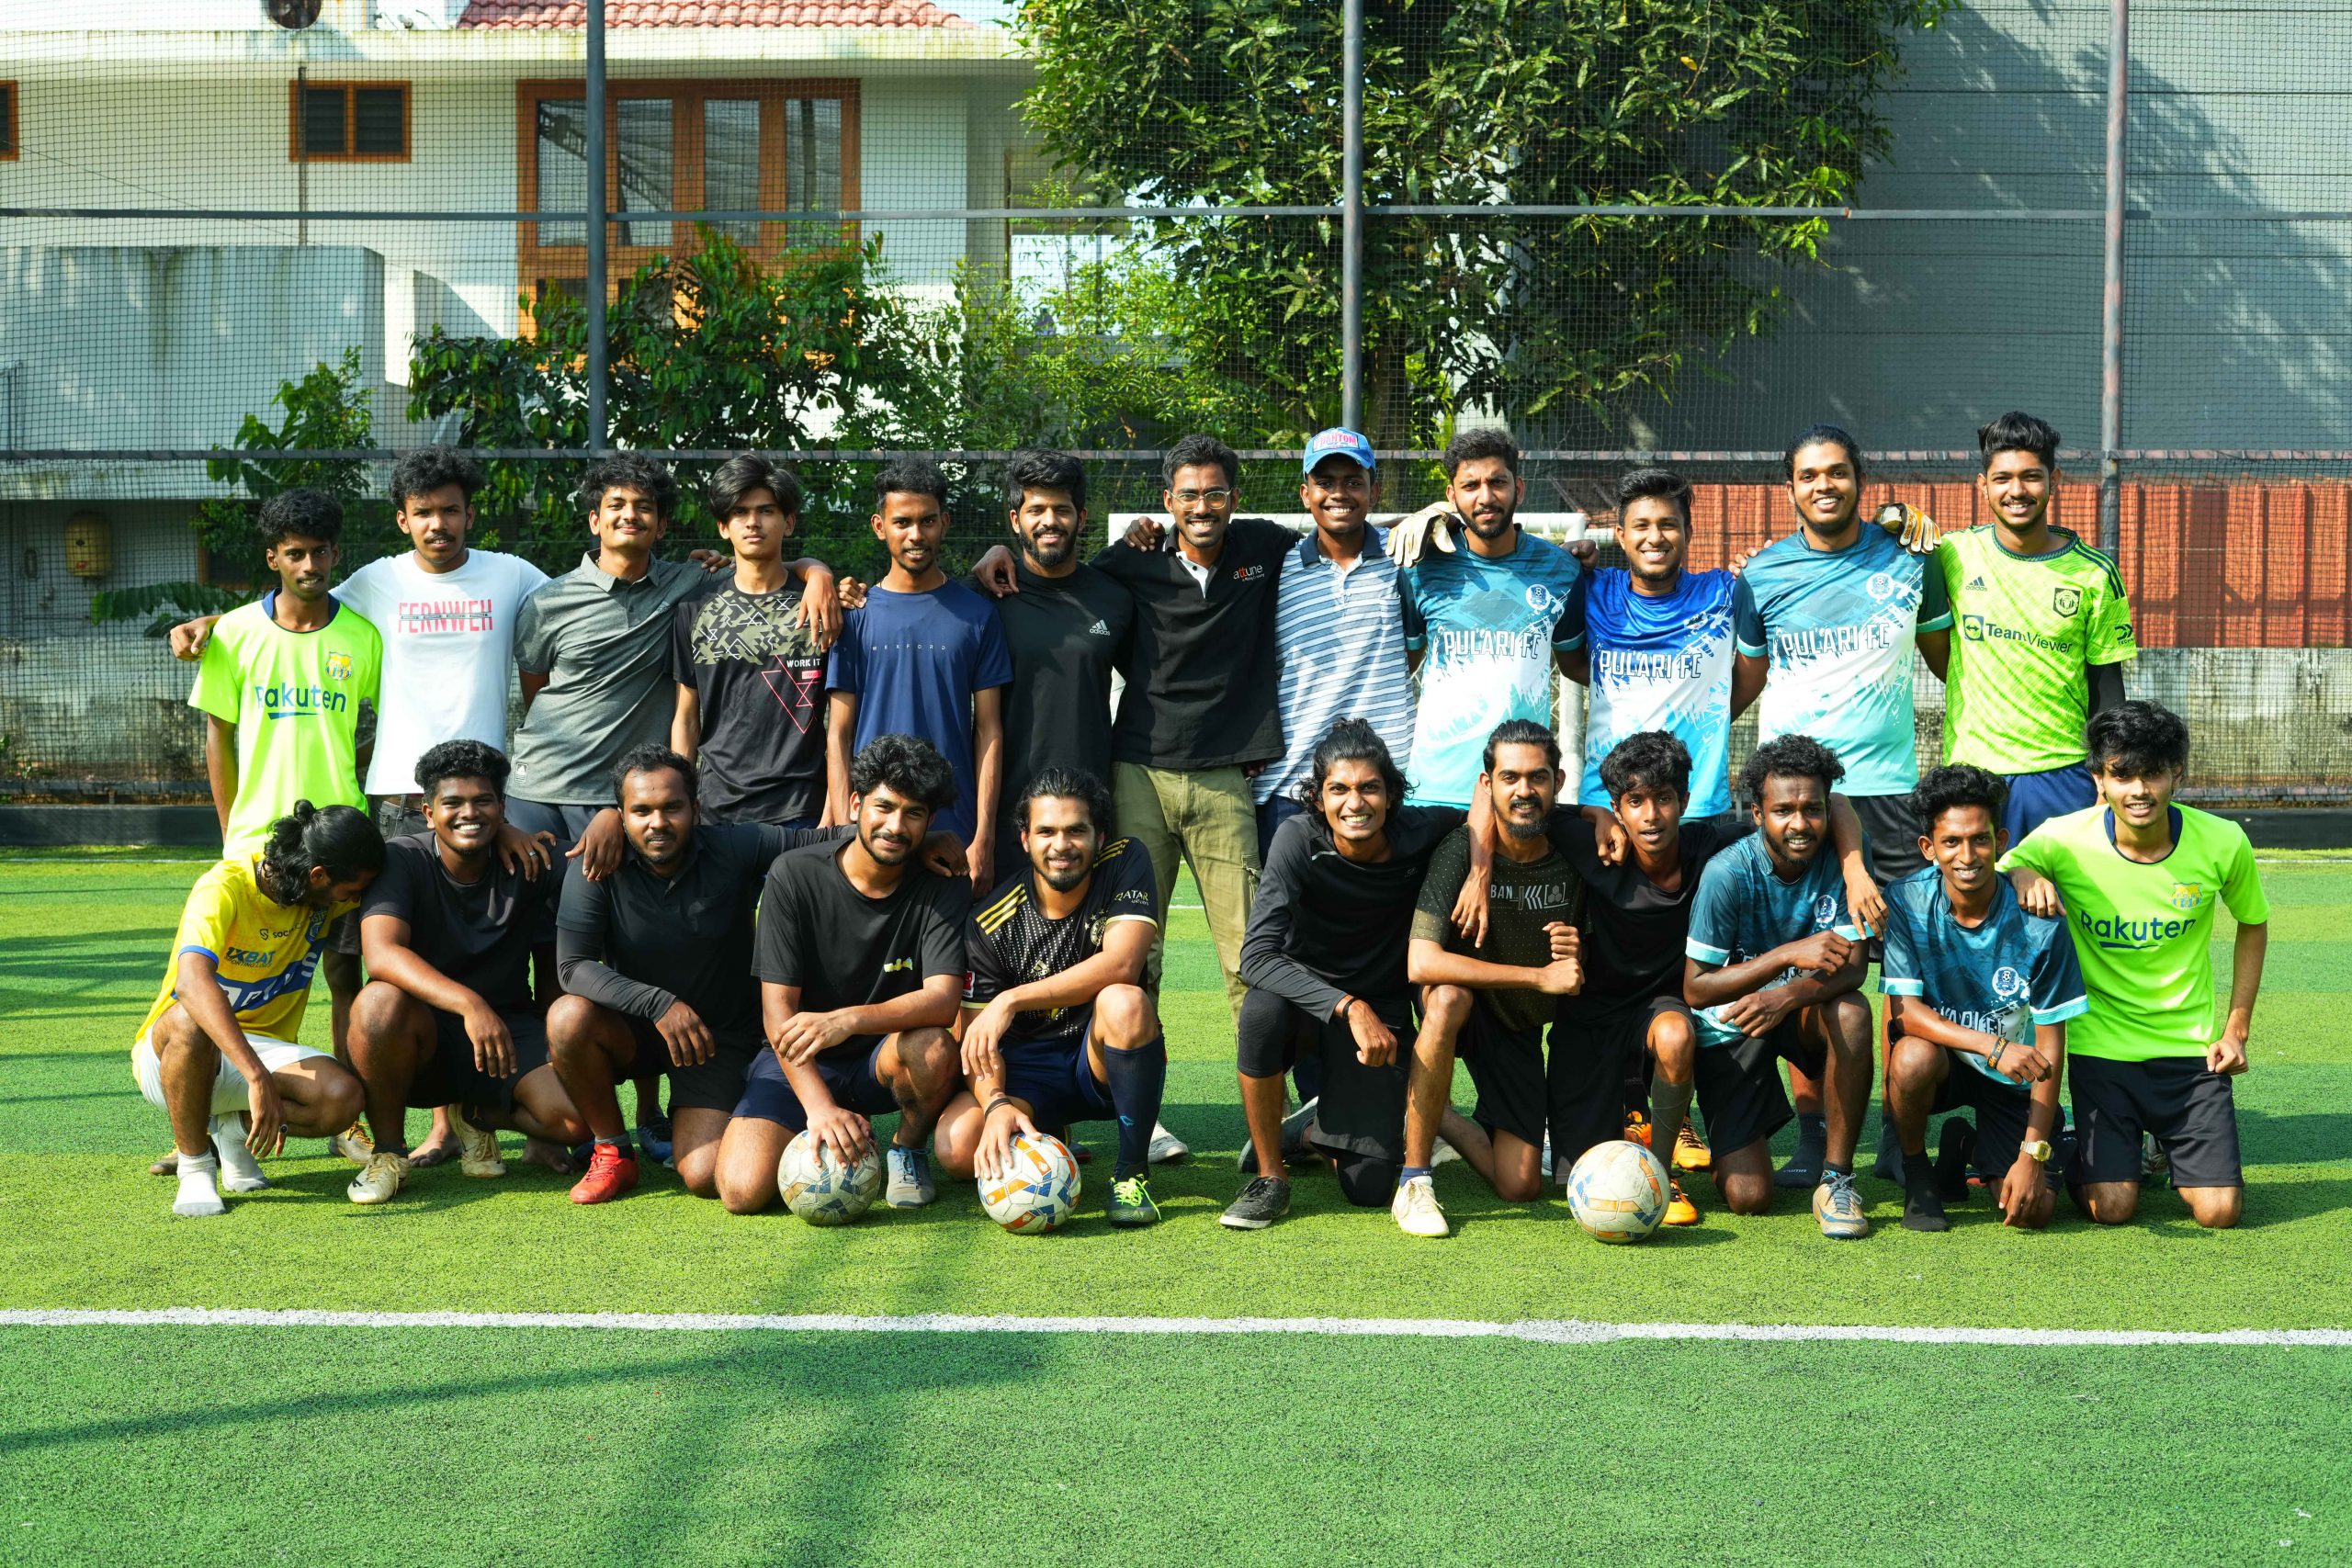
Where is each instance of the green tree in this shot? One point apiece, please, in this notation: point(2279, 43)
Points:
point(1738, 103)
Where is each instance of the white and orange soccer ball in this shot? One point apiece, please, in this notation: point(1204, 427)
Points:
point(1039, 1192)
point(824, 1189)
point(1619, 1191)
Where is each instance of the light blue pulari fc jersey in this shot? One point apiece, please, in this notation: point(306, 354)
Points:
point(1659, 663)
point(1487, 631)
point(1838, 628)
point(2010, 972)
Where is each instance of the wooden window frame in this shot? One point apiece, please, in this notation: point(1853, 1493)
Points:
point(295, 152)
point(537, 262)
point(13, 147)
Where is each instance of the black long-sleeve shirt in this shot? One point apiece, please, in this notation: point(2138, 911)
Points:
point(1324, 926)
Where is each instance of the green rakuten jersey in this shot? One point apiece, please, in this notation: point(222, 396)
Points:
point(2025, 630)
point(294, 697)
point(2143, 932)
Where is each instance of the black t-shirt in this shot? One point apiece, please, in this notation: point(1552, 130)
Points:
point(1066, 634)
point(1523, 898)
point(636, 941)
point(1325, 926)
point(1634, 930)
point(845, 950)
point(480, 933)
point(1200, 667)
point(760, 683)
point(1011, 942)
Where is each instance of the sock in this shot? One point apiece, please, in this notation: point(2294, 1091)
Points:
point(1411, 1172)
point(1670, 1108)
point(1830, 1167)
point(191, 1165)
point(1918, 1173)
point(237, 1162)
point(620, 1145)
point(1138, 1077)
point(1813, 1130)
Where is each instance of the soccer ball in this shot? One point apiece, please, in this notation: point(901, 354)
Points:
point(1039, 1192)
point(821, 1188)
point(1619, 1191)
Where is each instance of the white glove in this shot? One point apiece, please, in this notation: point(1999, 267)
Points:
point(1914, 527)
point(1431, 528)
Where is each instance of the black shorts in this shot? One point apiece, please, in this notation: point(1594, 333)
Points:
point(2001, 1113)
point(1739, 1088)
point(1890, 836)
point(715, 1085)
point(849, 1074)
point(450, 1078)
point(1594, 1059)
point(1362, 1109)
point(1058, 1084)
point(1507, 1065)
point(2192, 1112)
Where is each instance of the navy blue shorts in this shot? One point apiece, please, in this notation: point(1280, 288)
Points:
point(2034, 798)
point(848, 1072)
point(1058, 1084)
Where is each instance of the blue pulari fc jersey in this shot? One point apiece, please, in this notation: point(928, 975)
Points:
point(1659, 663)
point(1744, 909)
point(2012, 972)
point(1838, 628)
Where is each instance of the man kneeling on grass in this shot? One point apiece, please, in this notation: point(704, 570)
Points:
point(1057, 1026)
point(860, 957)
point(1980, 992)
point(446, 1016)
point(220, 1039)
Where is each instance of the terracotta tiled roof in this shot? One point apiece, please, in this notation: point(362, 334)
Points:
point(712, 14)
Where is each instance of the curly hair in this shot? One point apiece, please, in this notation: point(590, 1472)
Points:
point(462, 759)
point(1350, 740)
point(1956, 783)
point(1790, 757)
point(1473, 444)
point(2135, 739)
point(630, 470)
point(1653, 758)
point(911, 767)
point(299, 514)
point(337, 840)
point(1037, 469)
point(429, 469)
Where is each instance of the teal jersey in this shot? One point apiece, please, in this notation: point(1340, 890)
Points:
point(2002, 978)
point(1745, 908)
point(1487, 631)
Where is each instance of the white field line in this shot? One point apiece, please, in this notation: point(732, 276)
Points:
point(1570, 1331)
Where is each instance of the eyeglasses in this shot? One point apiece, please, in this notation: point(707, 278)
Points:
point(1193, 497)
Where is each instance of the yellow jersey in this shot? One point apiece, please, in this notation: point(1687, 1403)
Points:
point(265, 950)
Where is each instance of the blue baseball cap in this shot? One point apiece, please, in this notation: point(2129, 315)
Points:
point(1346, 443)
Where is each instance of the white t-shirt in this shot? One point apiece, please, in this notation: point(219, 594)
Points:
point(448, 654)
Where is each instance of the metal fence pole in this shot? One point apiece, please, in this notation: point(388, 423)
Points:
point(1352, 215)
point(594, 286)
point(2110, 394)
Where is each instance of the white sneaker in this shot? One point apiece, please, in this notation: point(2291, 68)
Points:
point(909, 1186)
point(239, 1172)
point(1167, 1148)
point(478, 1152)
point(199, 1197)
point(1415, 1209)
point(353, 1143)
point(382, 1181)
point(1443, 1152)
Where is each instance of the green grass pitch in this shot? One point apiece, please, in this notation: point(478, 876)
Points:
point(475, 1445)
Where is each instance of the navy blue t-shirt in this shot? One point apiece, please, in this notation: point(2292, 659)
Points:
point(914, 662)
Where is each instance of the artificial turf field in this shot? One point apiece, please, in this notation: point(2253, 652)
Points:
point(1096, 1442)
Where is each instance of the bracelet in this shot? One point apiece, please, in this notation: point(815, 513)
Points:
point(989, 1108)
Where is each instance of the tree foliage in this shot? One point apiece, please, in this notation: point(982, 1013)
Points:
point(1736, 103)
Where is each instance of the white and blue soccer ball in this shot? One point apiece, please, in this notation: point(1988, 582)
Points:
point(1038, 1191)
point(1619, 1191)
point(824, 1189)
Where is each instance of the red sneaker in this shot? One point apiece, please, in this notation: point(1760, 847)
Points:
point(610, 1174)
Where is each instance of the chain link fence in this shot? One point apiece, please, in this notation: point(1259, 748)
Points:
point(844, 231)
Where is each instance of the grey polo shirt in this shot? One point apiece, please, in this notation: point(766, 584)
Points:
point(603, 645)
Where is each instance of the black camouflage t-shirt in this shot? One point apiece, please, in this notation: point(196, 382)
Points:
point(1522, 900)
point(760, 683)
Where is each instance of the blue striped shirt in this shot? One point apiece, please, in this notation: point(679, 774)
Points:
point(1339, 643)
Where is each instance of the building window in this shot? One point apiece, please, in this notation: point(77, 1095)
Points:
point(350, 122)
point(682, 146)
point(7, 120)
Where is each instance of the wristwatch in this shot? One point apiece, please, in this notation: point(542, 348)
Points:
point(2036, 1150)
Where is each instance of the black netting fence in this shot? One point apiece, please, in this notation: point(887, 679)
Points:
point(845, 231)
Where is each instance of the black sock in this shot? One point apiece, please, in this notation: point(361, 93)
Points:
point(1831, 1168)
point(1813, 1131)
point(1918, 1173)
point(1137, 1079)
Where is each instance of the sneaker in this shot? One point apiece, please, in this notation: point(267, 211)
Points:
point(1679, 1210)
point(1839, 1208)
point(610, 1174)
point(1131, 1202)
point(1803, 1168)
point(1637, 1129)
point(198, 1199)
point(1294, 1129)
point(1954, 1148)
point(655, 1139)
point(911, 1186)
point(353, 1143)
point(478, 1154)
point(1167, 1148)
point(385, 1176)
point(1415, 1209)
point(1691, 1150)
point(1264, 1201)
point(2156, 1166)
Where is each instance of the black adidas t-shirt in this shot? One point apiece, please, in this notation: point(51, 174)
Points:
point(1011, 942)
point(845, 950)
point(1066, 634)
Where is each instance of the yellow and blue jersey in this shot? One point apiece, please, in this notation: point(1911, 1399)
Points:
point(266, 952)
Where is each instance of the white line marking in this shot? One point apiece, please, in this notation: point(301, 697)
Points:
point(1569, 1331)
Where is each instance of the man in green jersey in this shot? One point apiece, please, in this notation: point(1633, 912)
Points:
point(2040, 633)
point(280, 686)
point(2137, 879)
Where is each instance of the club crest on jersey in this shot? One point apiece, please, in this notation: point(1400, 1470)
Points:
point(2187, 895)
point(1824, 911)
point(338, 667)
point(1542, 600)
point(2066, 599)
point(1883, 586)
point(2008, 982)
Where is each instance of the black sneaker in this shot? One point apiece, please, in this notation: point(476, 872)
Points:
point(1264, 1201)
point(1953, 1151)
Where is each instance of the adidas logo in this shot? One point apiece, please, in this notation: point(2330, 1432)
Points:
point(1975, 585)
point(1098, 630)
